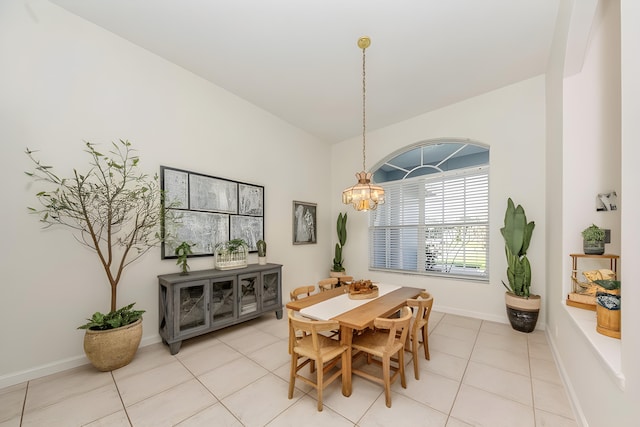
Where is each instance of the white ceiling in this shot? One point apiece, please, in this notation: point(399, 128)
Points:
point(299, 60)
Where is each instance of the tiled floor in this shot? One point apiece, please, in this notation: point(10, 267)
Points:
point(480, 374)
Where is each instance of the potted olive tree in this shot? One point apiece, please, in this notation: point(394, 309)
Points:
point(337, 269)
point(593, 240)
point(115, 211)
point(522, 307)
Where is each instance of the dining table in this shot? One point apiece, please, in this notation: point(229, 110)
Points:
point(353, 314)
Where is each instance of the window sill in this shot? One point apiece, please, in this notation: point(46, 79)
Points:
point(607, 349)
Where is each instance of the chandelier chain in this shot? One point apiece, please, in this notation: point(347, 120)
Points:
point(364, 114)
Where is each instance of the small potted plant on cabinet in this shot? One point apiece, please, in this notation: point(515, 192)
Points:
point(608, 308)
point(593, 240)
point(522, 307)
point(262, 252)
point(341, 226)
point(182, 252)
point(116, 211)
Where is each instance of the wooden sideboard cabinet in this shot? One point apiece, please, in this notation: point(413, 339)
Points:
point(208, 300)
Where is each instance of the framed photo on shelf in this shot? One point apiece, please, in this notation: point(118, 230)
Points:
point(304, 223)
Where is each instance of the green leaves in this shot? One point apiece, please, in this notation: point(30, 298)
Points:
point(110, 206)
point(183, 251)
point(115, 319)
point(593, 233)
point(341, 228)
point(517, 234)
point(262, 248)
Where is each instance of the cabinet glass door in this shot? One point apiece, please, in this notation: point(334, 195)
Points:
point(248, 287)
point(191, 306)
point(222, 299)
point(270, 288)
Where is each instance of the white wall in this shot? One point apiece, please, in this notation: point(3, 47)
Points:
point(589, 113)
point(592, 134)
point(511, 121)
point(64, 80)
point(630, 230)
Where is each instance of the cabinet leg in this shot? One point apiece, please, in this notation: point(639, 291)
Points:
point(174, 347)
point(279, 314)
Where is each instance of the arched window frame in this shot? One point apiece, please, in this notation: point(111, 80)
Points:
point(441, 199)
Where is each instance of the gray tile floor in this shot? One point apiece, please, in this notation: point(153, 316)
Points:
point(480, 374)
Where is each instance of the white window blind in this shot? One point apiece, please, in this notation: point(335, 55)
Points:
point(434, 224)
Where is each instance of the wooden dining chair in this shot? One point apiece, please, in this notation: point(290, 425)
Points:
point(419, 328)
point(301, 292)
point(326, 284)
point(321, 353)
point(295, 295)
point(380, 345)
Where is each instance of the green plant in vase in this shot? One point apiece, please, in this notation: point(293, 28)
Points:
point(522, 307)
point(262, 252)
point(231, 254)
point(593, 240)
point(182, 252)
point(341, 228)
point(116, 211)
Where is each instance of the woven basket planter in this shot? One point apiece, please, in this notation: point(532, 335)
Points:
point(113, 348)
point(608, 322)
point(609, 316)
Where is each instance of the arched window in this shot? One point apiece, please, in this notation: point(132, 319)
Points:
point(435, 219)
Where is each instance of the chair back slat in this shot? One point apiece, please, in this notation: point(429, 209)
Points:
point(399, 325)
point(301, 290)
point(326, 284)
point(423, 304)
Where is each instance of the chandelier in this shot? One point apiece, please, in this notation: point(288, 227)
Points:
point(364, 195)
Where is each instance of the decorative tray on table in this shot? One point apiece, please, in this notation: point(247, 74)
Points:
point(362, 289)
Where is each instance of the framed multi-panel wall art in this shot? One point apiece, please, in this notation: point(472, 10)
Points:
point(210, 210)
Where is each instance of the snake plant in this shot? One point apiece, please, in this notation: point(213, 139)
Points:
point(517, 236)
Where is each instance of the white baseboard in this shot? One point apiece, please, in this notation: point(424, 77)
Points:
point(573, 398)
point(540, 325)
point(57, 366)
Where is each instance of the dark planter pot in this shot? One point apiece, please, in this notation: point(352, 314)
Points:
point(593, 247)
point(521, 320)
point(522, 312)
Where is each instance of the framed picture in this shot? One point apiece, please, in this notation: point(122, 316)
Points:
point(210, 210)
point(248, 228)
point(207, 193)
point(251, 201)
point(176, 187)
point(204, 229)
point(304, 223)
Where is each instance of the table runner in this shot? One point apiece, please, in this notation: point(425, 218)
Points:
point(333, 307)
